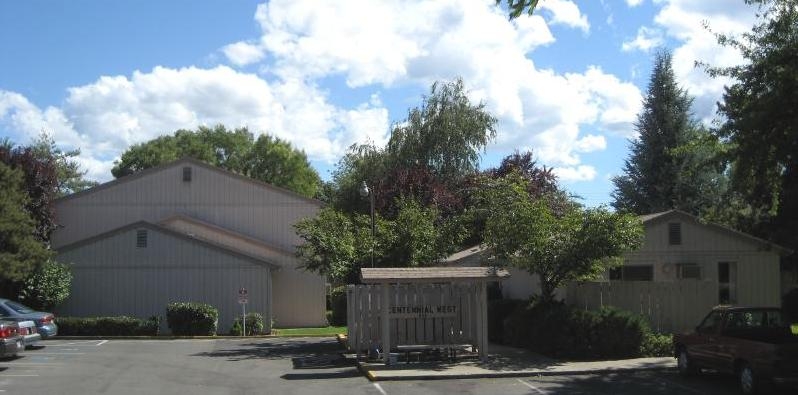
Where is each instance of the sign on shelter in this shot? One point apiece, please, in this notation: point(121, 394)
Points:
point(440, 307)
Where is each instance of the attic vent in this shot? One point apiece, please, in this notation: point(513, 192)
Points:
point(141, 238)
point(186, 174)
point(674, 233)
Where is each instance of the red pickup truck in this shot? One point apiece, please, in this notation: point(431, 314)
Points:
point(754, 343)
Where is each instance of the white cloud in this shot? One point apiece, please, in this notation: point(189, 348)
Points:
point(115, 112)
point(683, 21)
point(646, 39)
point(391, 43)
point(634, 3)
point(243, 53)
point(572, 174)
point(591, 143)
point(566, 12)
point(375, 45)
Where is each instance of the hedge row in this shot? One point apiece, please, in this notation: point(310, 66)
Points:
point(107, 326)
point(558, 330)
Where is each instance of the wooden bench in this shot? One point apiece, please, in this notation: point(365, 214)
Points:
point(423, 349)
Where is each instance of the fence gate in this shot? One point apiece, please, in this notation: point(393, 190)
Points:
point(428, 306)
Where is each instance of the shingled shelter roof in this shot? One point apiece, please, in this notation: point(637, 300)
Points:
point(430, 274)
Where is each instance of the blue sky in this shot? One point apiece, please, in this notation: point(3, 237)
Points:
point(566, 82)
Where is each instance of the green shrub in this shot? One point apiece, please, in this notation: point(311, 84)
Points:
point(553, 329)
point(558, 330)
point(107, 326)
point(47, 286)
point(619, 333)
point(338, 306)
point(254, 325)
point(657, 345)
point(789, 303)
point(498, 311)
point(192, 319)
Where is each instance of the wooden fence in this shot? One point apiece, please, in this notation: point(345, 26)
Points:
point(670, 307)
point(420, 314)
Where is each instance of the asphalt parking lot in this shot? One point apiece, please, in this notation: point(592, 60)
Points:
point(279, 366)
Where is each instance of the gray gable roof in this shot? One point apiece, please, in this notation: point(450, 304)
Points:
point(193, 162)
point(665, 215)
point(160, 229)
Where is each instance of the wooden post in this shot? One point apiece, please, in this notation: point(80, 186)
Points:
point(385, 325)
point(482, 302)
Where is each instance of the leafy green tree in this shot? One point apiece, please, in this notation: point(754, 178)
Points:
point(415, 183)
point(268, 159)
point(338, 245)
point(275, 161)
point(69, 174)
point(20, 250)
point(47, 286)
point(671, 164)
point(760, 110)
point(572, 245)
point(446, 134)
point(427, 158)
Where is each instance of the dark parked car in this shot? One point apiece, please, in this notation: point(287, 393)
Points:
point(11, 342)
point(754, 343)
point(14, 311)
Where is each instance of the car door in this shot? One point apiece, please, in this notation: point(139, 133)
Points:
point(727, 343)
point(704, 349)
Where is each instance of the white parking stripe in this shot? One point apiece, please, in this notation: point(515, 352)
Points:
point(379, 388)
point(20, 375)
point(532, 387)
point(102, 342)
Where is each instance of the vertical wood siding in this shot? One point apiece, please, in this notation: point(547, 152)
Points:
point(245, 207)
point(114, 277)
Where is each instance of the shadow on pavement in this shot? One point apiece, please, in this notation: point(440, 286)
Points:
point(322, 375)
point(649, 383)
point(304, 353)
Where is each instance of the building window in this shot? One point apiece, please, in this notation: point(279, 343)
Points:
point(141, 238)
point(674, 233)
point(688, 271)
point(186, 174)
point(727, 282)
point(633, 273)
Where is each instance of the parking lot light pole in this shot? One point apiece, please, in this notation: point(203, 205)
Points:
point(364, 191)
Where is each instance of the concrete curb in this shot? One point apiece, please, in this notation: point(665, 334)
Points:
point(372, 377)
point(386, 375)
point(181, 337)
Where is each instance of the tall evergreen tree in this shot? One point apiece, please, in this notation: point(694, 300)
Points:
point(20, 250)
point(670, 165)
point(761, 123)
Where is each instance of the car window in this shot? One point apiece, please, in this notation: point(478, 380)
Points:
point(754, 319)
point(711, 323)
point(20, 308)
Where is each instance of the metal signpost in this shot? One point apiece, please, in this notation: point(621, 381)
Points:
point(242, 299)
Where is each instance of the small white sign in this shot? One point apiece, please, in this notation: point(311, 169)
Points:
point(243, 300)
point(242, 292)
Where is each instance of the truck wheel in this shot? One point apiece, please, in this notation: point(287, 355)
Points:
point(748, 381)
point(685, 364)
